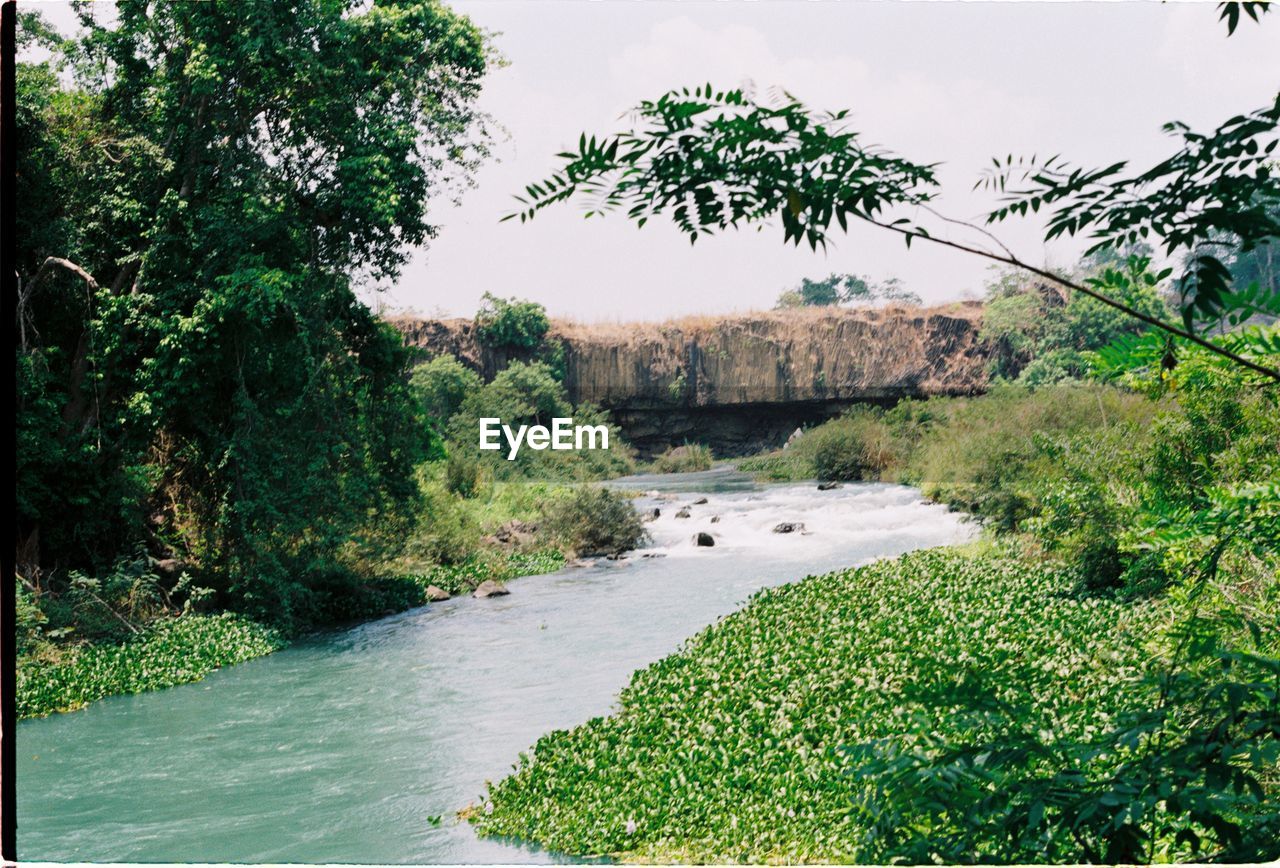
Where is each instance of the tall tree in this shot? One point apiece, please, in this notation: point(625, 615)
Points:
point(199, 206)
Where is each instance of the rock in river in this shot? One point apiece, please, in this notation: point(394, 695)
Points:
point(683, 513)
point(436, 594)
point(827, 486)
point(789, 527)
point(490, 588)
point(702, 538)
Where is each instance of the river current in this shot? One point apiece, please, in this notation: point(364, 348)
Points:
point(361, 745)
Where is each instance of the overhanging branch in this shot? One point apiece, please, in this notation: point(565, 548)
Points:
point(1072, 285)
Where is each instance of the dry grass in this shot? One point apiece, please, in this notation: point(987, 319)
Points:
point(701, 325)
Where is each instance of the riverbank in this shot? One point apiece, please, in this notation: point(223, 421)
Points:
point(361, 744)
point(185, 648)
point(742, 746)
point(1062, 693)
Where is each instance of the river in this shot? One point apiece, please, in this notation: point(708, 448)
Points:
point(361, 745)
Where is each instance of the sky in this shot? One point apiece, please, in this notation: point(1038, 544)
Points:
point(949, 82)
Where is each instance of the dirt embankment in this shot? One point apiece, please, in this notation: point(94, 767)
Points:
point(741, 382)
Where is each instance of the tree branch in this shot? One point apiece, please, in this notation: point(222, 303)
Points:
point(1062, 281)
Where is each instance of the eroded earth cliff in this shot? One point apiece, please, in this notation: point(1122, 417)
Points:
point(743, 382)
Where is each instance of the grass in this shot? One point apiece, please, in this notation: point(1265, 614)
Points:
point(734, 748)
point(984, 455)
point(689, 458)
point(702, 326)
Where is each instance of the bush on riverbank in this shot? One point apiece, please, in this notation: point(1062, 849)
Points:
point(594, 521)
point(984, 455)
point(689, 458)
point(170, 652)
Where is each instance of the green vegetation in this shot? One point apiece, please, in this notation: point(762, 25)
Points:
point(523, 393)
point(463, 577)
point(1098, 685)
point(689, 458)
point(594, 521)
point(1040, 334)
point(460, 530)
point(512, 323)
point(169, 652)
point(230, 410)
point(736, 748)
point(845, 289)
point(225, 427)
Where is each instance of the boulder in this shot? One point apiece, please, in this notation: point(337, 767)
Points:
point(715, 519)
point(651, 514)
point(654, 555)
point(435, 594)
point(514, 534)
point(490, 588)
point(700, 501)
point(683, 513)
point(795, 435)
point(828, 486)
point(788, 527)
point(702, 538)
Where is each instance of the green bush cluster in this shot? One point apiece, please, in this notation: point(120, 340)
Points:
point(1041, 334)
point(689, 458)
point(594, 521)
point(511, 322)
point(523, 393)
point(172, 651)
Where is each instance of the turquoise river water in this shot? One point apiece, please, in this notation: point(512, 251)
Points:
point(361, 745)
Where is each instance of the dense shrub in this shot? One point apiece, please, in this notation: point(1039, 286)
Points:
point(527, 393)
point(689, 458)
point(1040, 333)
point(856, 446)
point(594, 521)
point(463, 473)
point(442, 384)
point(986, 457)
point(512, 323)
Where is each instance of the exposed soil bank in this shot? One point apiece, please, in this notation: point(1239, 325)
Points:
point(741, 383)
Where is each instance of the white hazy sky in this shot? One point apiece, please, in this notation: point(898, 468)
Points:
point(951, 82)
